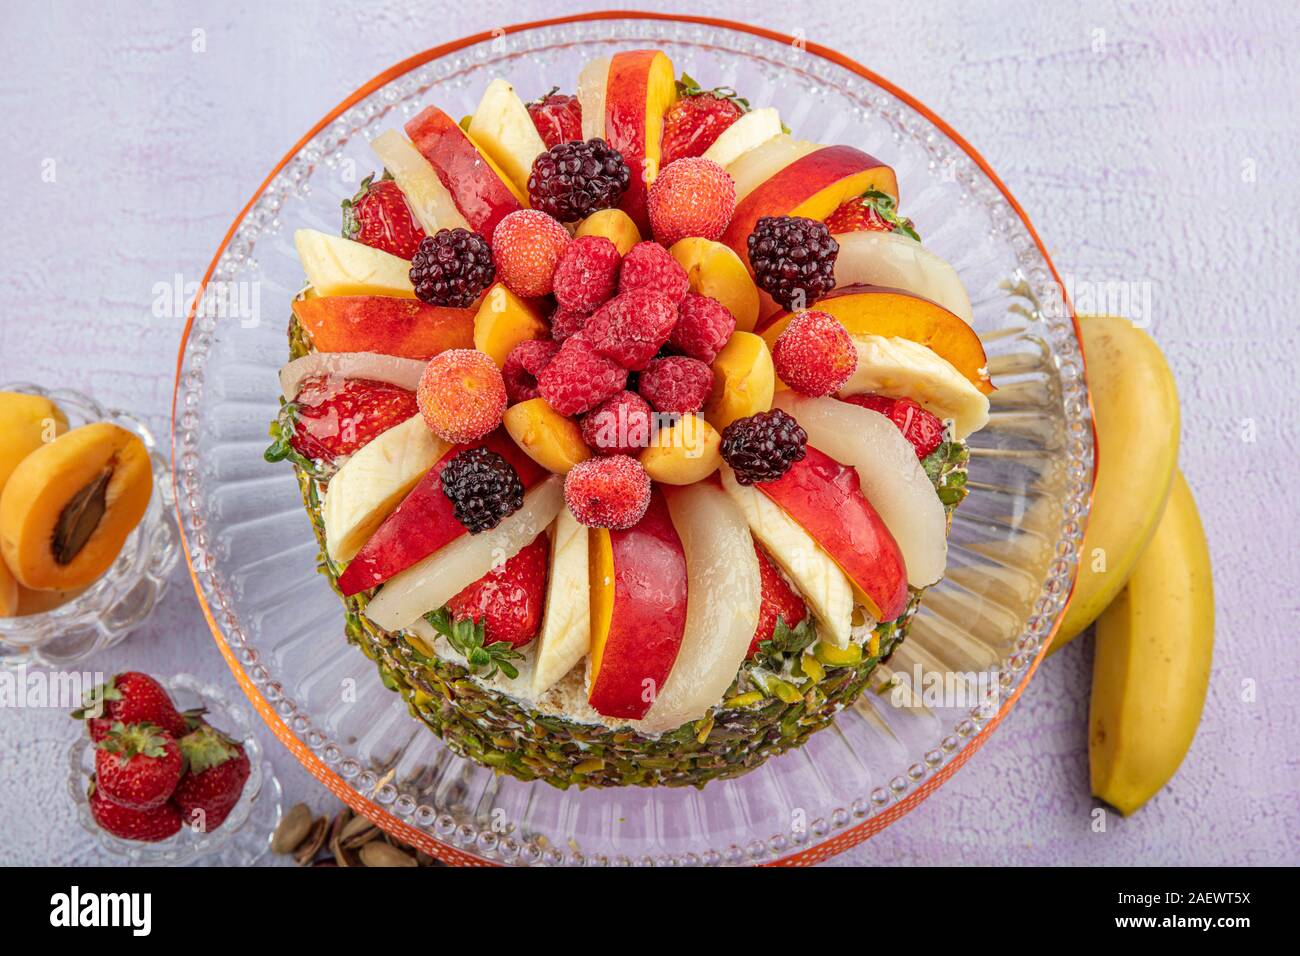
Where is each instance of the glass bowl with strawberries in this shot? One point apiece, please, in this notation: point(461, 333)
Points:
point(169, 773)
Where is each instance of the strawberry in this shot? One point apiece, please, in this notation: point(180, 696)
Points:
point(508, 600)
point(138, 765)
point(332, 417)
point(779, 600)
point(698, 118)
point(558, 117)
point(218, 768)
point(918, 426)
point(873, 211)
point(130, 698)
point(147, 826)
point(379, 216)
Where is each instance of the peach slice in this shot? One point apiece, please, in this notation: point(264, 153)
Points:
point(503, 321)
point(892, 313)
point(743, 380)
point(683, 453)
point(428, 198)
point(812, 186)
point(639, 89)
point(407, 328)
point(70, 505)
point(338, 266)
point(716, 271)
point(26, 423)
point(547, 437)
point(896, 261)
point(615, 225)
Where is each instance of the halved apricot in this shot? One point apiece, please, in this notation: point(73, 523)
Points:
point(550, 439)
point(683, 453)
point(8, 591)
point(69, 506)
point(716, 271)
point(503, 321)
point(743, 381)
point(26, 423)
point(615, 225)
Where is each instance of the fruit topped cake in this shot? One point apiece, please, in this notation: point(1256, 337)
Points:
point(629, 423)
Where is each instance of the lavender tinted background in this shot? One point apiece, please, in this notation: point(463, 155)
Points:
point(1153, 143)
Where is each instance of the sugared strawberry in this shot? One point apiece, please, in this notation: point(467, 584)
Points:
point(527, 245)
point(587, 274)
point(130, 698)
point(379, 216)
point(138, 765)
point(815, 354)
point(630, 328)
point(579, 378)
point(698, 118)
point(620, 425)
point(524, 363)
point(854, 215)
point(779, 600)
point(566, 322)
point(462, 395)
point(508, 600)
point(332, 417)
point(703, 327)
point(692, 197)
point(676, 384)
point(217, 769)
point(610, 492)
point(557, 116)
point(145, 826)
point(923, 429)
point(649, 267)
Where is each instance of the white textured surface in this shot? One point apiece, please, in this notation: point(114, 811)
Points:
point(1149, 143)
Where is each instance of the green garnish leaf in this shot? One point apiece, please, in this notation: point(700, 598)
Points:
point(887, 206)
point(467, 638)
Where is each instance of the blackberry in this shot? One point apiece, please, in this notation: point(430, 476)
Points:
point(762, 447)
point(793, 259)
point(452, 267)
point(570, 181)
point(483, 489)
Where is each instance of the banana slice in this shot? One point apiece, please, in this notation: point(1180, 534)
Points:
point(902, 368)
point(749, 132)
point(565, 637)
point(337, 266)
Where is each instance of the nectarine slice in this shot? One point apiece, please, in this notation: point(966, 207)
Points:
point(549, 438)
point(639, 89)
point(69, 506)
point(407, 328)
point(743, 380)
point(503, 320)
point(26, 423)
point(872, 310)
point(716, 271)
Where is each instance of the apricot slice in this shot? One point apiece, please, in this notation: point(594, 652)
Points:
point(615, 225)
point(683, 453)
point(8, 591)
point(546, 436)
point(503, 321)
point(26, 423)
point(716, 271)
point(743, 381)
point(69, 506)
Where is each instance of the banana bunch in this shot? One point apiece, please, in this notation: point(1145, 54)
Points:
point(1144, 574)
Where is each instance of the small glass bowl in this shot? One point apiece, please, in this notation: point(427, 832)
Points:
point(116, 604)
point(244, 836)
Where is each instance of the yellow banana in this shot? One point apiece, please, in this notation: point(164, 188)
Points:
point(1152, 663)
point(1135, 412)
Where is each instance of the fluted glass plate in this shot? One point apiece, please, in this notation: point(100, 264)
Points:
point(1013, 546)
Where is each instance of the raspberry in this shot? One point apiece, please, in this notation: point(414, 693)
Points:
point(587, 274)
point(566, 322)
point(920, 427)
point(452, 267)
point(630, 328)
point(762, 447)
point(814, 355)
point(793, 259)
point(578, 378)
point(526, 247)
point(691, 197)
point(648, 265)
point(483, 489)
point(461, 395)
point(558, 117)
point(612, 492)
point(570, 181)
point(676, 384)
point(524, 363)
point(703, 327)
point(619, 425)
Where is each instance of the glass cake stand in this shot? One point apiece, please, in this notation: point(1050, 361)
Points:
point(980, 633)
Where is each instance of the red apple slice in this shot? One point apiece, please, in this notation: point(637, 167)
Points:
point(638, 612)
point(407, 328)
point(825, 498)
point(482, 192)
point(424, 523)
point(639, 89)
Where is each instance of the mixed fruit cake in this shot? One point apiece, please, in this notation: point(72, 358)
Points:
point(630, 424)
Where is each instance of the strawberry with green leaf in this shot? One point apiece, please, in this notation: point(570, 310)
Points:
point(130, 698)
point(873, 211)
point(138, 765)
point(217, 770)
point(698, 118)
point(379, 216)
point(332, 417)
